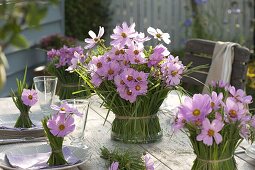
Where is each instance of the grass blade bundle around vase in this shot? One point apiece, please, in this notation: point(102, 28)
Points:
point(132, 80)
point(216, 124)
point(70, 85)
point(24, 99)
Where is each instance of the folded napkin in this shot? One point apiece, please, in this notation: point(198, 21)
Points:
point(38, 160)
point(222, 60)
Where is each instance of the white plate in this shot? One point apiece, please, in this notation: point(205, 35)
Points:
point(80, 153)
point(9, 121)
point(250, 151)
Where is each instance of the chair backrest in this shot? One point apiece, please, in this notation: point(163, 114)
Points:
point(200, 52)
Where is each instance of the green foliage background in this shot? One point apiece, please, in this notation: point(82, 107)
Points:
point(84, 15)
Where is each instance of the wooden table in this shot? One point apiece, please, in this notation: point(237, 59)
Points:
point(173, 152)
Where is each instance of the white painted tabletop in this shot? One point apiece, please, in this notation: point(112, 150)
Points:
point(173, 152)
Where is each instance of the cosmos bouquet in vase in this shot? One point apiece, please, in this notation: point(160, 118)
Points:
point(70, 85)
point(216, 124)
point(132, 79)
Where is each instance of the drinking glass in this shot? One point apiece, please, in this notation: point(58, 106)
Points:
point(46, 88)
point(77, 136)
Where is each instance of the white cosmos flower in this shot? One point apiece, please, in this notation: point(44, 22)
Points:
point(159, 35)
point(94, 39)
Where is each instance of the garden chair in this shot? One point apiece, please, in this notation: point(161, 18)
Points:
point(199, 52)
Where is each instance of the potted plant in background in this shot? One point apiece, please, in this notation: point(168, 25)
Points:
point(131, 79)
point(216, 124)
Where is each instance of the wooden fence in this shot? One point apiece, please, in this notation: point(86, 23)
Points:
point(228, 20)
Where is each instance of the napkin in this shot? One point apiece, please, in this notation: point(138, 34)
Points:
point(38, 160)
point(221, 67)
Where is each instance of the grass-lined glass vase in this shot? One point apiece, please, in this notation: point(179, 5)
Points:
point(70, 85)
point(136, 122)
point(216, 124)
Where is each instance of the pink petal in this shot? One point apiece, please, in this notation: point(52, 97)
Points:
point(206, 124)
point(89, 40)
point(218, 138)
point(208, 140)
point(200, 137)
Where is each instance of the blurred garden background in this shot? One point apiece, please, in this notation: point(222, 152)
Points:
point(28, 28)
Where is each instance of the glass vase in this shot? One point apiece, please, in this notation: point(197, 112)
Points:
point(227, 163)
point(66, 91)
point(23, 121)
point(144, 129)
point(56, 156)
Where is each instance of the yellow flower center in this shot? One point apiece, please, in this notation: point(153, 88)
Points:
point(61, 127)
point(232, 114)
point(210, 132)
point(173, 73)
point(130, 78)
point(212, 104)
point(196, 112)
point(122, 51)
point(158, 35)
point(110, 72)
point(139, 78)
point(62, 109)
point(124, 35)
point(136, 52)
point(99, 65)
point(30, 97)
point(117, 52)
point(129, 92)
point(96, 39)
point(137, 87)
point(137, 60)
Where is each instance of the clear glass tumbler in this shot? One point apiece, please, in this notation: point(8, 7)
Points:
point(77, 136)
point(46, 88)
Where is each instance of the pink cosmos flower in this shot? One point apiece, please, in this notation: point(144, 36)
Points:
point(234, 110)
point(78, 58)
point(29, 97)
point(123, 35)
point(178, 123)
point(135, 54)
point(114, 166)
point(149, 164)
point(216, 101)
point(66, 108)
point(94, 39)
point(61, 125)
point(196, 109)
point(140, 39)
point(159, 52)
point(239, 95)
point(210, 131)
point(96, 80)
point(159, 35)
point(127, 94)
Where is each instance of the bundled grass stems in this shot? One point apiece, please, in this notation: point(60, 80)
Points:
point(127, 160)
point(56, 143)
point(23, 120)
point(216, 157)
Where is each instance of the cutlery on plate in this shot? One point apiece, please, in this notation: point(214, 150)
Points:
point(22, 140)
